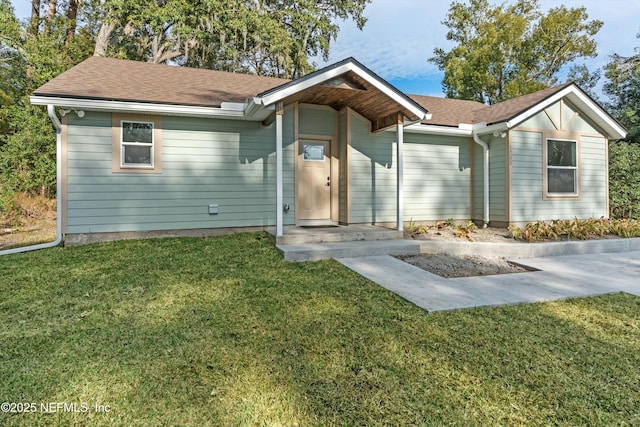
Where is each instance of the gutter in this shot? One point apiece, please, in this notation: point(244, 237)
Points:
point(56, 122)
point(485, 152)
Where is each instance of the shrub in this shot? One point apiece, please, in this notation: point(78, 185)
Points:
point(580, 229)
point(624, 180)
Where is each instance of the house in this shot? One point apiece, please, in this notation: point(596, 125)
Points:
point(154, 148)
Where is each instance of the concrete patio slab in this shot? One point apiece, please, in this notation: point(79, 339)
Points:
point(559, 278)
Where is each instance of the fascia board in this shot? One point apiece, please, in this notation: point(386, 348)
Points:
point(538, 107)
point(138, 107)
point(279, 95)
point(614, 128)
point(384, 88)
point(437, 130)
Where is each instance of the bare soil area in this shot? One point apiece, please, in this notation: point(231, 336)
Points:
point(489, 234)
point(42, 232)
point(35, 224)
point(450, 266)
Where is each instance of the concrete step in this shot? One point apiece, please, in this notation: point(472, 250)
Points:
point(354, 249)
point(352, 233)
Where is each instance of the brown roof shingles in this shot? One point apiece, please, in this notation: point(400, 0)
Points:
point(122, 80)
point(509, 109)
point(446, 111)
point(452, 112)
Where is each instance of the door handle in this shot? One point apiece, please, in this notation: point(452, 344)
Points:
point(328, 181)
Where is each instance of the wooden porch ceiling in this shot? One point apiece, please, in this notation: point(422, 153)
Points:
point(350, 90)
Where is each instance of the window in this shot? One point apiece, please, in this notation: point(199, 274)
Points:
point(136, 143)
point(562, 168)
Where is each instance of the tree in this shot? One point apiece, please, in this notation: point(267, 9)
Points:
point(29, 57)
point(623, 88)
point(265, 37)
point(510, 50)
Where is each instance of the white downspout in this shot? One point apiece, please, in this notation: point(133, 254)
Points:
point(56, 122)
point(485, 152)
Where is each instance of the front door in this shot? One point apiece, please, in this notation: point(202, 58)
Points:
point(314, 182)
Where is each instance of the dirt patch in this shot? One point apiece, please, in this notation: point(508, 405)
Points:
point(32, 221)
point(450, 266)
point(444, 232)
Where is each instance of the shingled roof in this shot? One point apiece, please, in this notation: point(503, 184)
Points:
point(109, 79)
point(452, 112)
point(121, 80)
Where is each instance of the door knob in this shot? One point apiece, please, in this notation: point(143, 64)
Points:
point(328, 181)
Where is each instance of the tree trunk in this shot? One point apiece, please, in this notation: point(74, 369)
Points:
point(104, 36)
point(72, 13)
point(35, 17)
point(51, 13)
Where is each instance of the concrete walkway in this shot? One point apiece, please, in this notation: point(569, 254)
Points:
point(559, 277)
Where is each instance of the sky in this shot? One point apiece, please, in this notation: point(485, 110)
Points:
point(400, 35)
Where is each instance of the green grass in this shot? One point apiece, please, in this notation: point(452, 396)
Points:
point(221, 331)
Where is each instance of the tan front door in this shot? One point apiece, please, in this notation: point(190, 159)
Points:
point(314, 181)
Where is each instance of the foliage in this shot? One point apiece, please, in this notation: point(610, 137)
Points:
point(623, 89)
point(270, 37)
point(581, 229)
point(465, 230)
point(624, 180)
point(509, 50)
point(246, 338)
point(451, 226)
point(31, 58)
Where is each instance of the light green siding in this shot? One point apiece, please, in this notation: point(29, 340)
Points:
point(527, 202)
point(437, 177)
point(498, 179)
point(317, 120)
point(372, 174)
point(541, 121)
point(205, 161)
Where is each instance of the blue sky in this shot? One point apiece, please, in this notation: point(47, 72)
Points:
point(401, 34)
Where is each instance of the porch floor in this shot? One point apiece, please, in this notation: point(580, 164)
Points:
point(294, 235)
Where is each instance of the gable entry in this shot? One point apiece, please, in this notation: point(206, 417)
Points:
point(346, 84)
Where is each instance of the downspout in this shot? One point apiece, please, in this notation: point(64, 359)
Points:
point(485, 152)
point(56, 122)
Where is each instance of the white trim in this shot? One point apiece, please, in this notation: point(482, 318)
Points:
point(279, 174)
point(614, 128)
point(151, 146)
point(400, 172)
point(279, 95)
point(231, 112)
point(436, 130)
point(546, 167)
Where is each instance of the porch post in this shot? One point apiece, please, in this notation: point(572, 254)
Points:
point(279, 192)
point(400, 171)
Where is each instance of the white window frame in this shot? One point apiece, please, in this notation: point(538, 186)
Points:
point(143, 144)
point(576, 185)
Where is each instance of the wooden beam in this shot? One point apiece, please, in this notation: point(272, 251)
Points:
point(385, 122)
point(341, 82)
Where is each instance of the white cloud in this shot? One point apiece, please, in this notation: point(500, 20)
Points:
point(400, 35)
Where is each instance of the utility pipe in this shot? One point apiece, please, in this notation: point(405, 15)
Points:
point(56, 122)
point(485, 152)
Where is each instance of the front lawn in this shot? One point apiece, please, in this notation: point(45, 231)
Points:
point(221, 331)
